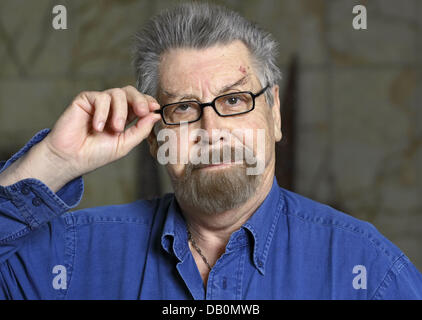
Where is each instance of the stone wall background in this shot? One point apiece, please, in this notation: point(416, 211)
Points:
point(359, 138)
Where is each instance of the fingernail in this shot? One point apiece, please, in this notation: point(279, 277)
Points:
point(100, 125)
point(120, 123)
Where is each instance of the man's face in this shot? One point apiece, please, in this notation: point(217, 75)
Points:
point(201, 75)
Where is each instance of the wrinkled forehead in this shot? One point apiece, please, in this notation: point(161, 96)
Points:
point(191, 70)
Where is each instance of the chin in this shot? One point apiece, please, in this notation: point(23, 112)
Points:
point(217, 189)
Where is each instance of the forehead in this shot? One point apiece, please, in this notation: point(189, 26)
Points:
point(187, 68)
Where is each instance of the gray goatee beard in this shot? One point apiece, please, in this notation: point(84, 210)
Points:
point(215, 191)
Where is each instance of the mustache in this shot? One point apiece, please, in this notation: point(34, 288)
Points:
point(221, 155)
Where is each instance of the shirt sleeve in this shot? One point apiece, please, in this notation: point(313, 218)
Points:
point(29, 204)
point(402, 282)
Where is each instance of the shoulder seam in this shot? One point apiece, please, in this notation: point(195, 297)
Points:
point(386, 280)
point(355, 229)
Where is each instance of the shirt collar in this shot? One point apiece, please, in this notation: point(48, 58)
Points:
point(174, 238)
point(261, 226)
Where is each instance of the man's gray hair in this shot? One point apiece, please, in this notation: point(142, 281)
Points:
point(199, 26)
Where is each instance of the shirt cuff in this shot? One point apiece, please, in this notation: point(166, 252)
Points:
point(37, 201)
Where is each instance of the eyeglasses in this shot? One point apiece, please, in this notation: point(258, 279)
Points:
point(227, 105)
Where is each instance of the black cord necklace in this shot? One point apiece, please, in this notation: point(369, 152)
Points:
point(198, 250)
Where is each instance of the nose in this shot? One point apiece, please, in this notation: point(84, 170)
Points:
point(211, 121)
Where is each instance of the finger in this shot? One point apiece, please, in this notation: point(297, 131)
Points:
point(138, 132)
point(119, 109)
point(137, 101)
point(130, 116)
point(101, 103)
point(152, 103)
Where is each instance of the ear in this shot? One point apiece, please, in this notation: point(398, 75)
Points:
point(276, 113)
point(152, 141)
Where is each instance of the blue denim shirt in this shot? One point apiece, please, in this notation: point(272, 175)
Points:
point(291, 248)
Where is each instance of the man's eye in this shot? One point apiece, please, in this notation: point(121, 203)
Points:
point(233, 100)
point(182, 108)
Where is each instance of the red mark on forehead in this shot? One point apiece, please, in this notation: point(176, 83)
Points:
point(242, 69)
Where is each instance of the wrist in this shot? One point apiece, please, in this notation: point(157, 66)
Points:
point(41, 164)
point(9, 176)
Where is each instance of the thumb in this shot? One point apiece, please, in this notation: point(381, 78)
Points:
point(139, 131)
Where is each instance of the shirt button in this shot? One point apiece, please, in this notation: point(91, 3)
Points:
point(224, 283)
point(25, 190)
point(36, 202)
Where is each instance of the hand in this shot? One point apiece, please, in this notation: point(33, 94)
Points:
point(92, 132)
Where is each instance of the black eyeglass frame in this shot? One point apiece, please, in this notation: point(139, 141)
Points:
point(212, 104)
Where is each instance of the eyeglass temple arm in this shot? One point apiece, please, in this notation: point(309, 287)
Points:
point(262, 91)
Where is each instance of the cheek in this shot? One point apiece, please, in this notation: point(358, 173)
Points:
point(260, 122)
point(182, 145)
point(175, 170)
point(172, 149)
point(264, 141)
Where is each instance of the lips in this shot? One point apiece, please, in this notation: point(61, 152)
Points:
point(216, 165)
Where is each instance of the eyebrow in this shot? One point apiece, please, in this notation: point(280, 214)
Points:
point(224, 89)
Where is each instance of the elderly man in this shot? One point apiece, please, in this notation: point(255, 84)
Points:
point(224, 234)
